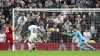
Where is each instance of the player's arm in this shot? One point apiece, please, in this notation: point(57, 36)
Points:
point(12, 28)
point(69, 34)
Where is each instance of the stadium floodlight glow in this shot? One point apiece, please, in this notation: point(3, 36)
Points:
point(52, 10)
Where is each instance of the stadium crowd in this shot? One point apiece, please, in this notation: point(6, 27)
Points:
point(51, 24)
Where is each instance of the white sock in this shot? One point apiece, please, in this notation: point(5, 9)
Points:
point(13, 47)
point(29, 45)
point(32, 45)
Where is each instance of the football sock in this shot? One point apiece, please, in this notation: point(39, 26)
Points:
point(91, 47)
point(81, 47)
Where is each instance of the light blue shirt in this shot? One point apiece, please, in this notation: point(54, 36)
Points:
point(78, 34)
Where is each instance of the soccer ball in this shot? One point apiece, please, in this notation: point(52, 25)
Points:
point(51, 29)
point(92, 41)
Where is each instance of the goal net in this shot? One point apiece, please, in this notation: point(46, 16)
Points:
point(52, 22)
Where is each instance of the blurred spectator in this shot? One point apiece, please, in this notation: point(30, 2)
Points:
point(2, 36)
point(81, 4)
point(42, 33)
point(93, 30)
point(62, 15)
point(88, 20)
point(83, 23)
point(46, 6)
point(76, 22)
point(50, 25)
point(57, 4)
point(87, 35)
point(49, 3)
point(19, 28)
point(22, 19)
point(22, 3)
point(72, 19)
point(55, 36)
point(37, 18)
point(1, 4)
point(97, 6)
point(67, 25)
point(55, 27)
point(94, 18)
point(79, 27)
point(53, 16)
point(88, 4)
point(65, 6)
point(35, 6)
point(40, 6)
point(46, 23)
point(60, 26)
point(2, 24)
point(30, 5)
point(66, 18)
point(72, 5)
point(59, 19)
point(78, 18)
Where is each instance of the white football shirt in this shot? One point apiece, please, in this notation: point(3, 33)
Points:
point(33, 29)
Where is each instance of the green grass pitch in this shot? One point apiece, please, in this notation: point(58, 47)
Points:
point(50, 53)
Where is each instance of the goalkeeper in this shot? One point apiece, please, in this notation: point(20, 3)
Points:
point(81, 42)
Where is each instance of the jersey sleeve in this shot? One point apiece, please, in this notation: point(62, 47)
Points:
point(80, 35)
point(29, 28)
point(71, 34)
point(11, 28)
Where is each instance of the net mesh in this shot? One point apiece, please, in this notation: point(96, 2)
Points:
point(53, 23)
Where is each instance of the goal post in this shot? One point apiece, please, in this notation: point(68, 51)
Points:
point(59, 10)
point(46, 10)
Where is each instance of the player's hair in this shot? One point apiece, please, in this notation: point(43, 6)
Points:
point(31, 22)
point(7, 22)
point(75, 27)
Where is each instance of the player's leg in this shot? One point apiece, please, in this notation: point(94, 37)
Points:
point(29, 43)
point(11, 43)
point(80, 45)
point(89, 46)
point(10, 39)
point(33, 44)
point(75, 40)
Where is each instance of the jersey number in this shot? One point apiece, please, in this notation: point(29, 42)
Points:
point(7, 30)
point(34, 30)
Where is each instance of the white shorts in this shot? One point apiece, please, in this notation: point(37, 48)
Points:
point(32, 38)
point(75, 39)
point(86, 40)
